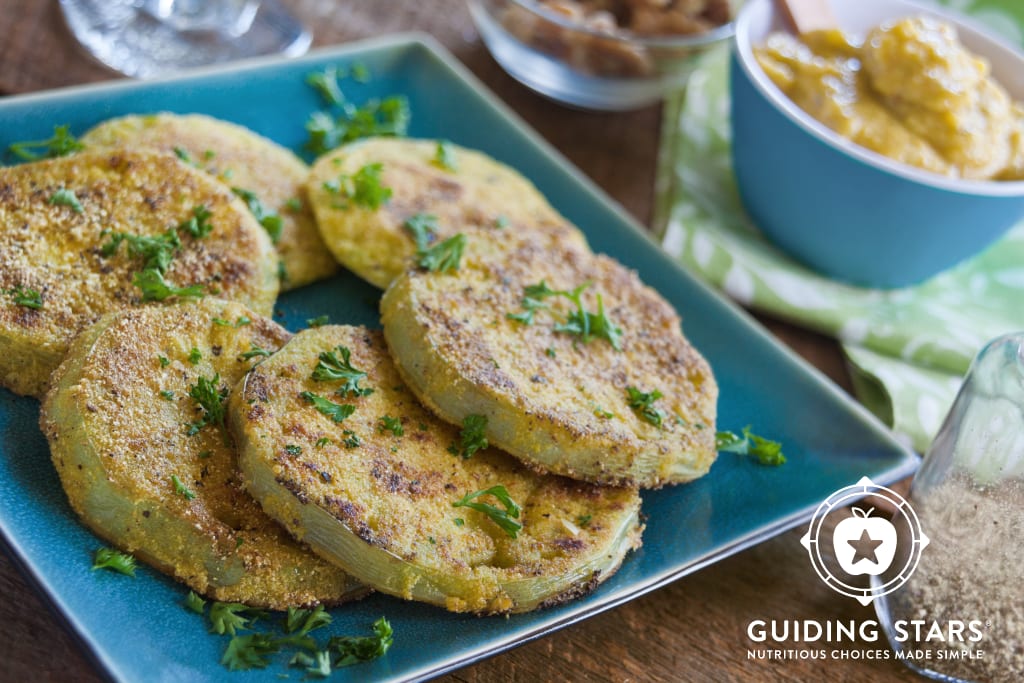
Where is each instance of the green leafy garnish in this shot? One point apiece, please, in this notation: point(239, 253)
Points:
point(766, 451)
point(114, 560)
point(61, 143)
point(329, 368)
point(391, 424)
point(503, 518)
point(292, 449)
point(354, 649)
point(210, 398)
point(270, 220)
point(228, 617)
point(444, 156)
point(198, 225)
point(253, 352)
point(352, 439)
point(443, 257)
point(318, 321)
point(156, 250)
point(195, 603)
point(335, 411)
point(471, 438)
point(164, 361)
point(154, 288)
point(65, 197)
point(322, 441)
point(302, 621)
point(194, 356)
point(181, 489)
point(293, 204)
point(387, 117)
point(362, 187)
point(580, 322)
point(642, 405)
point(583, 520)
point(360, 72)
point(241, 321)
point(326, 83)
point(167, 395)
point(251, 651)
point(317, 666)
point(25, 296)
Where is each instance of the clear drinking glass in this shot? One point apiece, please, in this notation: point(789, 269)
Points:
point(147, 38)
point(969, 497)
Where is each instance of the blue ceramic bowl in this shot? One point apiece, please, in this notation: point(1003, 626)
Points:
point(847, 212)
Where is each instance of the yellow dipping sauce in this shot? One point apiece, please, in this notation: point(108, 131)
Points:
point(910, 91)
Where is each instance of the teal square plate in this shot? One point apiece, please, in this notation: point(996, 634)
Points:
point(138, 630)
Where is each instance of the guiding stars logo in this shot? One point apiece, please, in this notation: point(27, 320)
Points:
point(846, 543)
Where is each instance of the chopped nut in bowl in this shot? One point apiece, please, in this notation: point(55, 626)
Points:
point(601, 54)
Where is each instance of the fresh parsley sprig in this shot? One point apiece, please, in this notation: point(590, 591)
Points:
point(642, 404)
point(25, 296)
point(154, 288)
point(270, 220)
point(363, 188)
point(580, 322)
point(210, 397)
point(444, 156)
point(66, 197)
point(471, 437)
point(503, 518)
point(387, 117)
point(766, 451)
point(114, 560)
point(444, 256)
point(329, 368)
point(61, 143)
point(390, 424)
point(336, 411)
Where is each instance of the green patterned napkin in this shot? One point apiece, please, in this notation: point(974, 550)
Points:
point(908, 348)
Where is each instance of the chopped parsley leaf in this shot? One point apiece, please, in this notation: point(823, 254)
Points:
point(444, 156)
point(251, 651)
point(329, 368)
point(114, 560)
point(336, 411)
point(270, 220)
point(459, 521)
point(210, 399)
point(391, 424)
point(164, 361)
point(253, 352)
point(194, 356)
point(61, 143)
point(579, 322)
point(326, 83)
point(302, 621)
point(387, 117)
point(444, 257)
point(354, 649)
point(642, 405)
point(229, 617)
point(181, 489)
point(767, 452)
point(156, 250)
point(240, 322)
point(293, 204)
point(167, 395)
point(471, 438)
point(352, 439)
point(195, 603)
point(65, 197)
point(292, 449)
point(503, 518)
point(360, 72)
point(583, 520)
point(317, 666)
point(154, 288)
point(198, 225)
point(25, 296)
point(322, 441)
point(362, 187)
point(318, 321)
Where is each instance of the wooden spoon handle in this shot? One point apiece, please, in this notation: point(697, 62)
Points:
point(808, 15)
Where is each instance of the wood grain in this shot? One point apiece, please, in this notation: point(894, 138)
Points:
point(694, 629)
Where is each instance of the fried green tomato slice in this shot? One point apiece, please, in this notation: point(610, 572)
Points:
point(77, 233)
point(342, 454)
point(267, 176)
point(580, 369)
point(135, 424)
point(365, 194)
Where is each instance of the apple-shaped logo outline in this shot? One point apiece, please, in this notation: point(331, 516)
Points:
point(864, 544)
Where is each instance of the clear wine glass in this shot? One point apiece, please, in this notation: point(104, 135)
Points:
point(147, 38)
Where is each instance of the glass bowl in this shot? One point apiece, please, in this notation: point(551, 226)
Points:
point(590, 63)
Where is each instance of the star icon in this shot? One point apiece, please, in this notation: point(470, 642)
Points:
point(865, 548)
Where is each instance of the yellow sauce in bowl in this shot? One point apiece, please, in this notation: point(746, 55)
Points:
point(909, 91)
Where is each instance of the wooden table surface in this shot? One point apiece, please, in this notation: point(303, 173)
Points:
point(694, 629)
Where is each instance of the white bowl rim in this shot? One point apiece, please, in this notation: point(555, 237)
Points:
point(997, 188)
point(715, 35)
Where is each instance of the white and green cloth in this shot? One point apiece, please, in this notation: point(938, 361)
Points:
point(908, 348)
